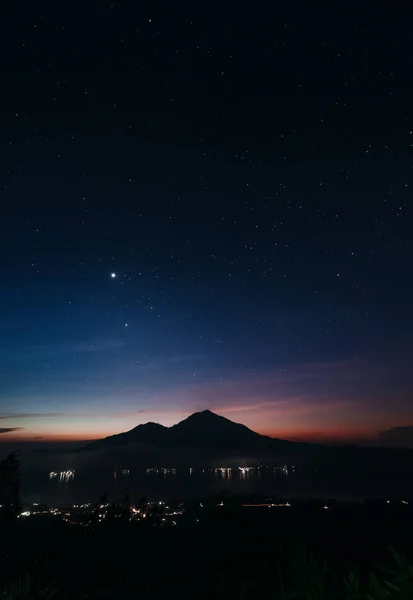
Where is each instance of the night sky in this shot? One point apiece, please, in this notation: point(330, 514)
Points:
point(204, 208)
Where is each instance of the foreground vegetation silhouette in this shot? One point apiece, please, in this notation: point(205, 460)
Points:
point(285, 556)
point(10, 504)
point(289, 573)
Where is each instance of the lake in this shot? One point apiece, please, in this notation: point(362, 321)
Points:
point(94, 475)
point(160, 483)
point(185, 483)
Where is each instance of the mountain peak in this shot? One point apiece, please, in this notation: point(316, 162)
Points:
point(203, 414)
point(149, 425)
point(204, 418)
point(202, 429)
point(206, 428)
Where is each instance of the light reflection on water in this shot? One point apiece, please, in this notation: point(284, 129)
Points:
point(89, 483)
point(62, 476)
point(83, 485)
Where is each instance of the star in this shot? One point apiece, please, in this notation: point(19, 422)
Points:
point(113, 275)
point(126, 325)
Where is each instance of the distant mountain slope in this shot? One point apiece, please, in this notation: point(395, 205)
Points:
point(208, 429)
point(202, 429)
point(148, 433)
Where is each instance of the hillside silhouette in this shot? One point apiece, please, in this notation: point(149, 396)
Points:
point(202, 429)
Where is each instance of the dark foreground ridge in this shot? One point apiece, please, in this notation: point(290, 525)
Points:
point(202, 429)
point(307, 553)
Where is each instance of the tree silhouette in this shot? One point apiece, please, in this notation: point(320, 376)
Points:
point(10, 504)
point(125, 508)
point(97, 510)
point(143, 504)
point(111, 512)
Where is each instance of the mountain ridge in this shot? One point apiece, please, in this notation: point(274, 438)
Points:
point(203, 429)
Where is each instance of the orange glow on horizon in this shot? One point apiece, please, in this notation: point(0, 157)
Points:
point(299, 435)
point(340, 436)
point(294, 421)
point(68, 437)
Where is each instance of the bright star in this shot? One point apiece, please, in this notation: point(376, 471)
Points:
point(113, 275)
point(126, 324)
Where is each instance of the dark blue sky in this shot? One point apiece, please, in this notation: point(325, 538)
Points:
point(248, 181)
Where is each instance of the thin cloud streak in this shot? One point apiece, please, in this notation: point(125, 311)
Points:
point(284, 406)
point(10, 429)
point(10, 416)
